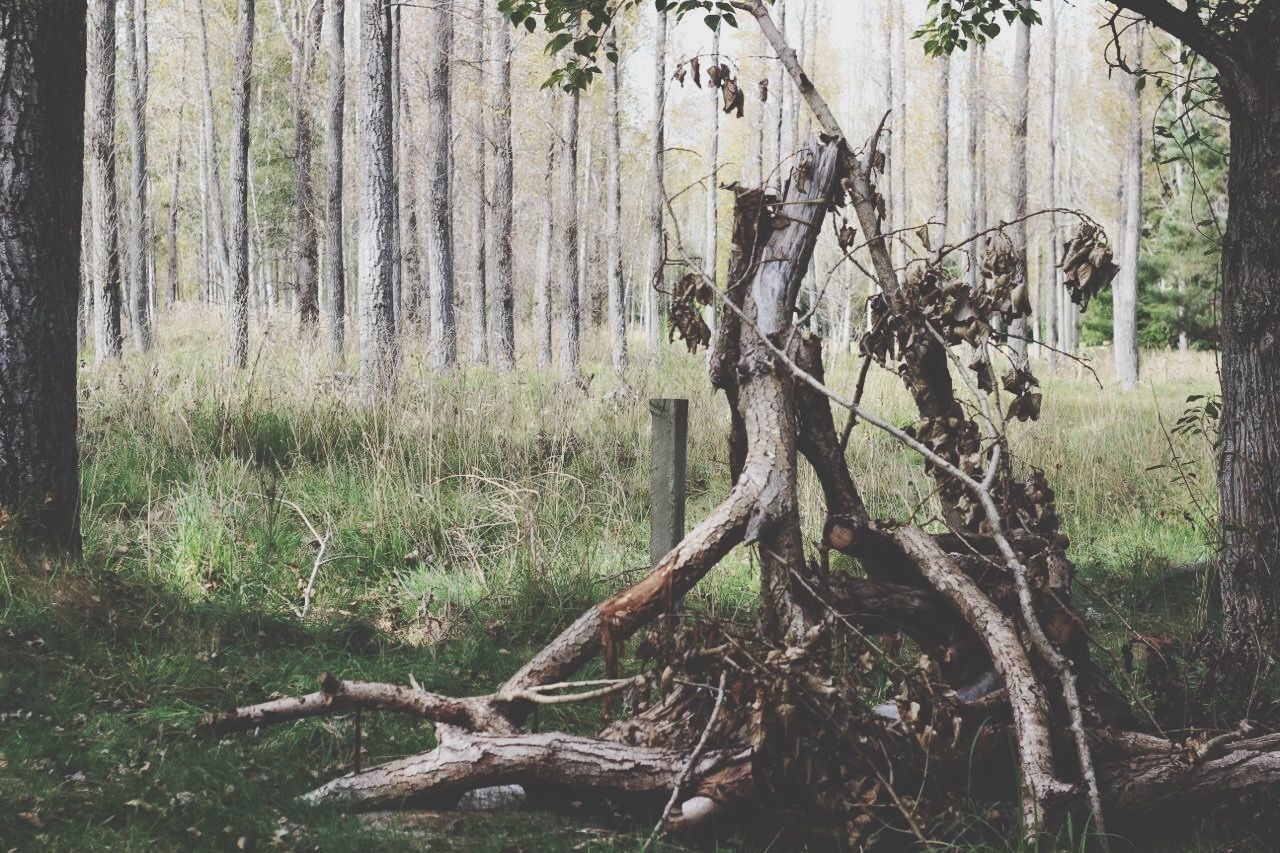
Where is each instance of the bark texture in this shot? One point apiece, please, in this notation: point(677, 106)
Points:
point(135, 56)
point(238, 179)
point(1019, 330)
point(1124, 295)
point(444, 332)
point(479, 187)
point(101, 141)
point(42, 98)
point(333, 273)
point(379, 353)
point(657, 190)
point(570, 270)
point(301, 21)
point(501, 224)
point(613, 236)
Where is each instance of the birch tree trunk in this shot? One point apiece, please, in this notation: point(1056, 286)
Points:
point(42, 140)
point(238, 250)
point(379, 355)
point(713, 168)
point(135, 39)
point(898, 128)
point(333, 273)
point(100, 137)
point(570, 271)
point(617, 306)
point(657, 190)
point(444, 333)
point(1019, 329)
point(502, 299)
point(1124, 294)
point(480, 95)
point(977, 127)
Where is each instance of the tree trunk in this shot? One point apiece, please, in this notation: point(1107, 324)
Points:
point(174, 204)
point(570, 272)
point(238, 176)
point(302, 29)
point(135, 51)
point(479, 284)
point(942, 125)
point(444, 333)
point(1019, 329)
point(977, 128)
point(546, 264)
point(657, 190)
point(1052, 285)
point(100, 138)
point(1249, 442)
point(379, 355)
point(898, 214)
point(42, 109)
point(213, 171)
point(334, 275)
point(1124, 294)
point(617, 306)
point(713, 167)
point(502, 299)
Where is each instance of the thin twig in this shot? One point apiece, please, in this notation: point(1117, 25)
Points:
point(688, 765)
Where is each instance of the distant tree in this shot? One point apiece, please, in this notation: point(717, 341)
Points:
point(333, 272)
point(502, 297)
point(238, 177)
point(479, 184)
point(711, 238)
point(136, 59)
point(301, 20)
point(1020, 329)
point(444, 332)
point(42, 109)
point(100, 136)
point(542, 330)
point(657, 191)
point(1051, 290)
point(613, 263)
point(941, 163)
point(174, 207)
point(570, 271)
point(212, 172)
point(1124, 295)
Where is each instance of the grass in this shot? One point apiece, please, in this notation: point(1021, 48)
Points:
point(463, 524)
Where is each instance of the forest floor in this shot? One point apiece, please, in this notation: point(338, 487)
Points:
point(462, 527)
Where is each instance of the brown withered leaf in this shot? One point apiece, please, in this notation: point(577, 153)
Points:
point(679, 74)
point(733, 98)
point(1025, 408)
point(695, 68)
point(763, 87)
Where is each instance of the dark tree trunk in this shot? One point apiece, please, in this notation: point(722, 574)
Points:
point(304, 41)
point(335, 297)
point(42, 85)
point(1249, 463)
point(174, 207)
point(238, 243)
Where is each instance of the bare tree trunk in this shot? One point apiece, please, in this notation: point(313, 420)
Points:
point(379, 355)
point(238, 250)
point(1019, 329)
point(502, 299)
point(1053, 286)
point(570, 272)
point(42, 110)
point(657, 190)
point(480, 96)
point(334, 275)
point(444, 333)
point(713, 167)
point(898, 129)
point(135, 40)
point(301, 25)
point(942, 124)
point(977, 128)
point(100, 137)
point(1124, 294)
point(174, 202)
point(780, 89)
point(546, 265)
point(213, 172)
point(617, 306)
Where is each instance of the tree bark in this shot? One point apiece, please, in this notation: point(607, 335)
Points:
point(617, 306)
point(977, 128)
point(212, 170)
point(379, 354)
point(333, 272)
point(1052, 289)
point(100, 138)
point(174, 207)
point(942, 125)
point(657, 190)
point(1249, 439)
point(135, 57)
point(570, 272)
point(444, 333)
point(238, 177)
point(1124, 293)
point(43, 51)
point(542, 328)
point(501, 224)
point(479, 274)
point(1020, 328)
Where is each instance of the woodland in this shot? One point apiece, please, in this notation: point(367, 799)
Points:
point(330, 337)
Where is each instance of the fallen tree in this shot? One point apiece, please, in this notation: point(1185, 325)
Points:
point(781, 718)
